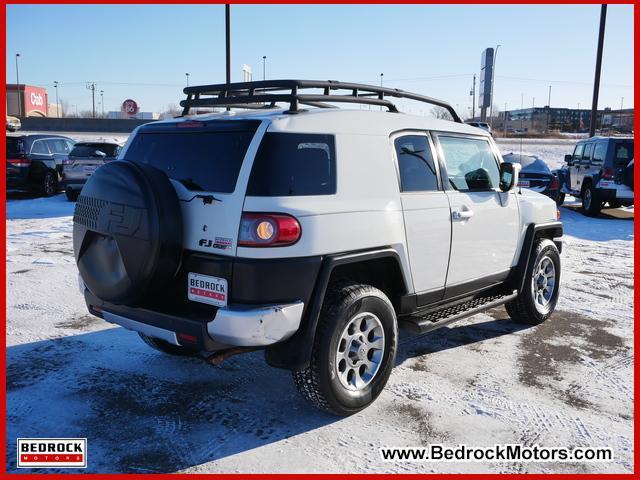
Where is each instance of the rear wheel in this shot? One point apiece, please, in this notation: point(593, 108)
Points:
point(166, 347)
point(591, 204)
point(49, 185)
point(72, 195)
point(539, 296)
point(560, 199)
point(354, 350)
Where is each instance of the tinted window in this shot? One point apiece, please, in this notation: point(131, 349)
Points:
point(470, 162)
point(90, 150)
point(58, 145)
point(40, 147)
point(415, 162)
point(15, 146)
point(292, 164)
point(599, 152)
point(586, 154)
point(202, 160)
point(623, 153)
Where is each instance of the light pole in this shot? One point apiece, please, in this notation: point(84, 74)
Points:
point(493, 81)
point(102, 101)
point(620, 116)
point(187, 75)
point(264, 67)
point(381, 83)
point(549, 109)
point(18, 87)
point(55, 84)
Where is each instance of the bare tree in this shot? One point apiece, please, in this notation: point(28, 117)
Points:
point(171, 111)
point(441, 113)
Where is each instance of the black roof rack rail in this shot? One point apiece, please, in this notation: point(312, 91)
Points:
point(266, 93)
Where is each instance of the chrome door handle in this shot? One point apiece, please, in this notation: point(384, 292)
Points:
point(461, 216)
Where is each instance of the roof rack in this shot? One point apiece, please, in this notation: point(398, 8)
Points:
point(266, 93)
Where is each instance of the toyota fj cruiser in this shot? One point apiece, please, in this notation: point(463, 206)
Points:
point(313, 234)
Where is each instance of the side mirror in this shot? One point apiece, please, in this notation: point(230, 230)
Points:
point(509, 174)
point(568, 159)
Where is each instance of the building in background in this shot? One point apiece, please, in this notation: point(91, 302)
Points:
point(26, 101)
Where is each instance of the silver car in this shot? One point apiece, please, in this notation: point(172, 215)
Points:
point(83, 160)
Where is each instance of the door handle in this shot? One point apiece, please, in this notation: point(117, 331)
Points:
point(461, 216)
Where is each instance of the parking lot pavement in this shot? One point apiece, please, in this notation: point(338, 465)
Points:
point(485, 380)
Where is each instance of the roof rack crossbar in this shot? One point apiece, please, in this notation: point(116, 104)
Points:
point(269, 92)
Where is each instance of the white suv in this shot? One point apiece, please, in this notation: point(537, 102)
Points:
point(312, 234)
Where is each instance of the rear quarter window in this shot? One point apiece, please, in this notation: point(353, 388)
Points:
point(293, 164)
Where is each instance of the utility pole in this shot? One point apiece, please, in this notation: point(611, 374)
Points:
point(381, 77)
point(620, 116)
point(102, 101)
point(533, 112)
point(55, 84)
point(264, 67)
point(505, 119)
point(493, 81)
point(549, 109)
point(18, 87)
point(92, 86)
point(596, 81)
point(473, 96)
point(187, 75)
point(227, 19)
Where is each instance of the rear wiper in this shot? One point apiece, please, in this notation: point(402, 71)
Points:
point(207, 199)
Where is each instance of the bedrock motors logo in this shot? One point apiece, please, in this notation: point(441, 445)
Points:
point(52, 453)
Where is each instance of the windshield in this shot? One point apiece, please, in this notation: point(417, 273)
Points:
point(201, 159)
point(90, 150)
point(15, 146)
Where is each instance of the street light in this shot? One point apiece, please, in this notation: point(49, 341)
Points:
point(381, 77)
point(187, 75)
point(493, 80)
point(55, 84)
point(18, 87)
point(264, 67)
point(102, 101)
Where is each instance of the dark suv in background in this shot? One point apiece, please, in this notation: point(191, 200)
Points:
point(599, 171)
point(34, 162)
point(83, 160)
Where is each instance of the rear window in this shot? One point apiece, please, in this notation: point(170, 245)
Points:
point(87, 150)
point(623, 153)
point(293, 164)
point(15, 146)
point(200, 158)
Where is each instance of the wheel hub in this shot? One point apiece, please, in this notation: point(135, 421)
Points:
point(544, 282)
point(360, 351)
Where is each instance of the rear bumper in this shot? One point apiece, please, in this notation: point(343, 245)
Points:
point(234, 325)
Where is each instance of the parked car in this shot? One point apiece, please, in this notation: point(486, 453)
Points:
point(311, 233)
point(482, 125)
point(600, 171)
point(34, 162)
point(13, 123)
point(82, 161)
point(536, 175)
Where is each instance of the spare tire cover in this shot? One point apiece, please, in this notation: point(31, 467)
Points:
point(127, 231)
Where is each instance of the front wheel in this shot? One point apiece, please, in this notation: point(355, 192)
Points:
point(353, 352)
point(539, 296)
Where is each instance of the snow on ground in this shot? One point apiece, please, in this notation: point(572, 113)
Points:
point(485, 380)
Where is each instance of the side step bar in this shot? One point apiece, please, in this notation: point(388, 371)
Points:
point(430, 320)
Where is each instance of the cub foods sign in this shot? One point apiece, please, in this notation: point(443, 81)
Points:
point(129, 107)
point(35, 101)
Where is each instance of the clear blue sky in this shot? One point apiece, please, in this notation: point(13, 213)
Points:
point(143, 51)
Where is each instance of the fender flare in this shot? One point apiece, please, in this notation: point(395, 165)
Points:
point(553, 230)
point(295, 353)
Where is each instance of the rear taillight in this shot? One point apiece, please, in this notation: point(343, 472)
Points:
point(19, 162)
point(608, 173)
point(268, 230)
point(555, 184)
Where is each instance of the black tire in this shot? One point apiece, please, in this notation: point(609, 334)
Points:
point(560, 199)
point(166, 347)
point(72, 195)
point(525, 309)
point(591, 203)
point(49, 184)
point(319, 383)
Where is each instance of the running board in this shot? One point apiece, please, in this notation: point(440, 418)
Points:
point(430, 320)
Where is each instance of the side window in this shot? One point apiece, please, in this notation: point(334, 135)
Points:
point(577, 153)
point(599, 152)
point(40, 147)
point(586, 154)
point(415, 162)
point(293, 164)
point(69, 146)
point(57, 145)
point(470, 162)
